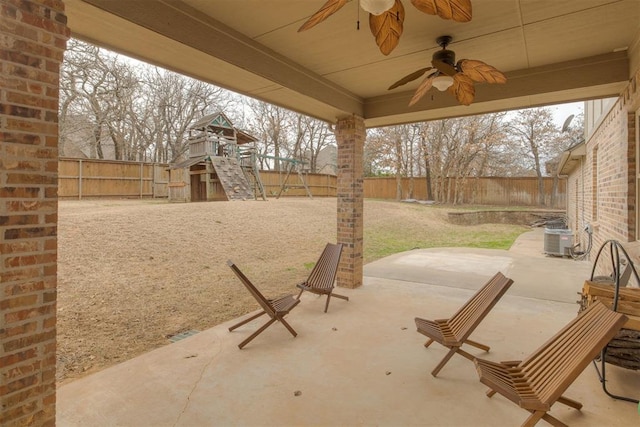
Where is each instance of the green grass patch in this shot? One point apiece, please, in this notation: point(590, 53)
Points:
point(378, 244)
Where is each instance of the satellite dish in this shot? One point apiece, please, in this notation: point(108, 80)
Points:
point(567, 122)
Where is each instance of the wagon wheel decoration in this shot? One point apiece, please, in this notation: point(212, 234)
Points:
point(619, 266)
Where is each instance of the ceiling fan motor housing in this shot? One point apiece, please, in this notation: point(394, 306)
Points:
point(446, 56)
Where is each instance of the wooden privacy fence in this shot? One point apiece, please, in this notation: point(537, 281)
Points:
point(320, 185)
point(91, 178)
point(513, 191)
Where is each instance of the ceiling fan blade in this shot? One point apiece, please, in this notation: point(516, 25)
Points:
point(444, 68)
point(410, 77)
point(422, 89)
point(329, 8)
point(463, 89)
point(478, 71)
point(387, 27)
point(456, 10)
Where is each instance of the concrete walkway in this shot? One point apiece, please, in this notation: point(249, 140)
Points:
point(362, 363)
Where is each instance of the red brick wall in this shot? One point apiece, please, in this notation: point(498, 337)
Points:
point(350, 135)
point(614, 214)
point(33, 37)
point(607, 179)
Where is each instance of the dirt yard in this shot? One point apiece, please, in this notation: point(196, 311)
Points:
point(132, 274)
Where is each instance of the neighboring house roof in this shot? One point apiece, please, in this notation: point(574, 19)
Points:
point(326, 161)
point(571, 158)
point(70, 148)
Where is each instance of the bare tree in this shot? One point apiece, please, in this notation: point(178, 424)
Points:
point(97, 87)
point(314, 135)
point(453, 150)
point(382, 148)
point(571, 134)
point(536, 135)
point(394, 150)
point(424, 156)
point(272, 124)
point(176, 101)
point(118, 108)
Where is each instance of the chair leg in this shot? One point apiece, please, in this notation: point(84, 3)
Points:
point(340, 296)
point(533, 418)
point(490, 392)
point(326, 305)
point(301, 291)
point(286, 325)
point(553, 421)
point(443, 362)
point(237, 325)
point(329, 295)
point(570, 402)
point(465, 354)
point(477, 345)
point(256, 333)
point(428, 343)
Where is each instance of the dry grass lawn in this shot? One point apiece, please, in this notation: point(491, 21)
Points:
point(131, 274)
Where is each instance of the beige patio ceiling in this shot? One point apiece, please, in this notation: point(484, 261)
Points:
point(551, 51)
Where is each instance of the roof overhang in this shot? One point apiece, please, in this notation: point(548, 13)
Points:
point(551, 52)
point(571, 158)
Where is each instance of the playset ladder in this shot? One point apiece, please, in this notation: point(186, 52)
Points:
point(232, 178)
point(249, 164)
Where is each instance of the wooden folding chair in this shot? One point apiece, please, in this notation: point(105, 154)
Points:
point(454, 332)
point(538, 382)
point(322, 277)
point(275, 308)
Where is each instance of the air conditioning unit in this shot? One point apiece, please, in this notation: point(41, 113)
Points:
point(558, 241)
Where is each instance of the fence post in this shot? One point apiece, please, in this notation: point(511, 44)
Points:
point(80, 179)
point(154, 181)
point(141, 181)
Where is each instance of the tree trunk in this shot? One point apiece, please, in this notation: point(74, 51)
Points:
point(398, 186)
point(427, 169)
point(554, 191)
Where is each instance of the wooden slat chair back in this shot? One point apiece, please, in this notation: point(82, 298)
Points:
point(276, 309)
point(455, 331)
point(323, 275)
point(539, 381)
point(469, 316)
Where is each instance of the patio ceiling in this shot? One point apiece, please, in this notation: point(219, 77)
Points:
point(551, 51)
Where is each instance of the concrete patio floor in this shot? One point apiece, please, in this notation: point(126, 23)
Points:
point(362, 363)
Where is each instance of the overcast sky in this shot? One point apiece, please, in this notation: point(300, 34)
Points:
point(562, 111)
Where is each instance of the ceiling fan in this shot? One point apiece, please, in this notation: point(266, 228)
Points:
point(445, 74)
point(386, 17)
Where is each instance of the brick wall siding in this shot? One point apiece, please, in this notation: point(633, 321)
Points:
point(607, 179)
point(33, 37)
point(575, 202)
point(614, 172)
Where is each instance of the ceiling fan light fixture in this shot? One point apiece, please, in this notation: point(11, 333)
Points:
point(377, 7)
point(442, 82)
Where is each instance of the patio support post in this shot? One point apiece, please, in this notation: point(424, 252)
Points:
point(33, 36)
point(350, 135)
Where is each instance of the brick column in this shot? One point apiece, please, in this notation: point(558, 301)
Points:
point(350, 135)
point(33, 37)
